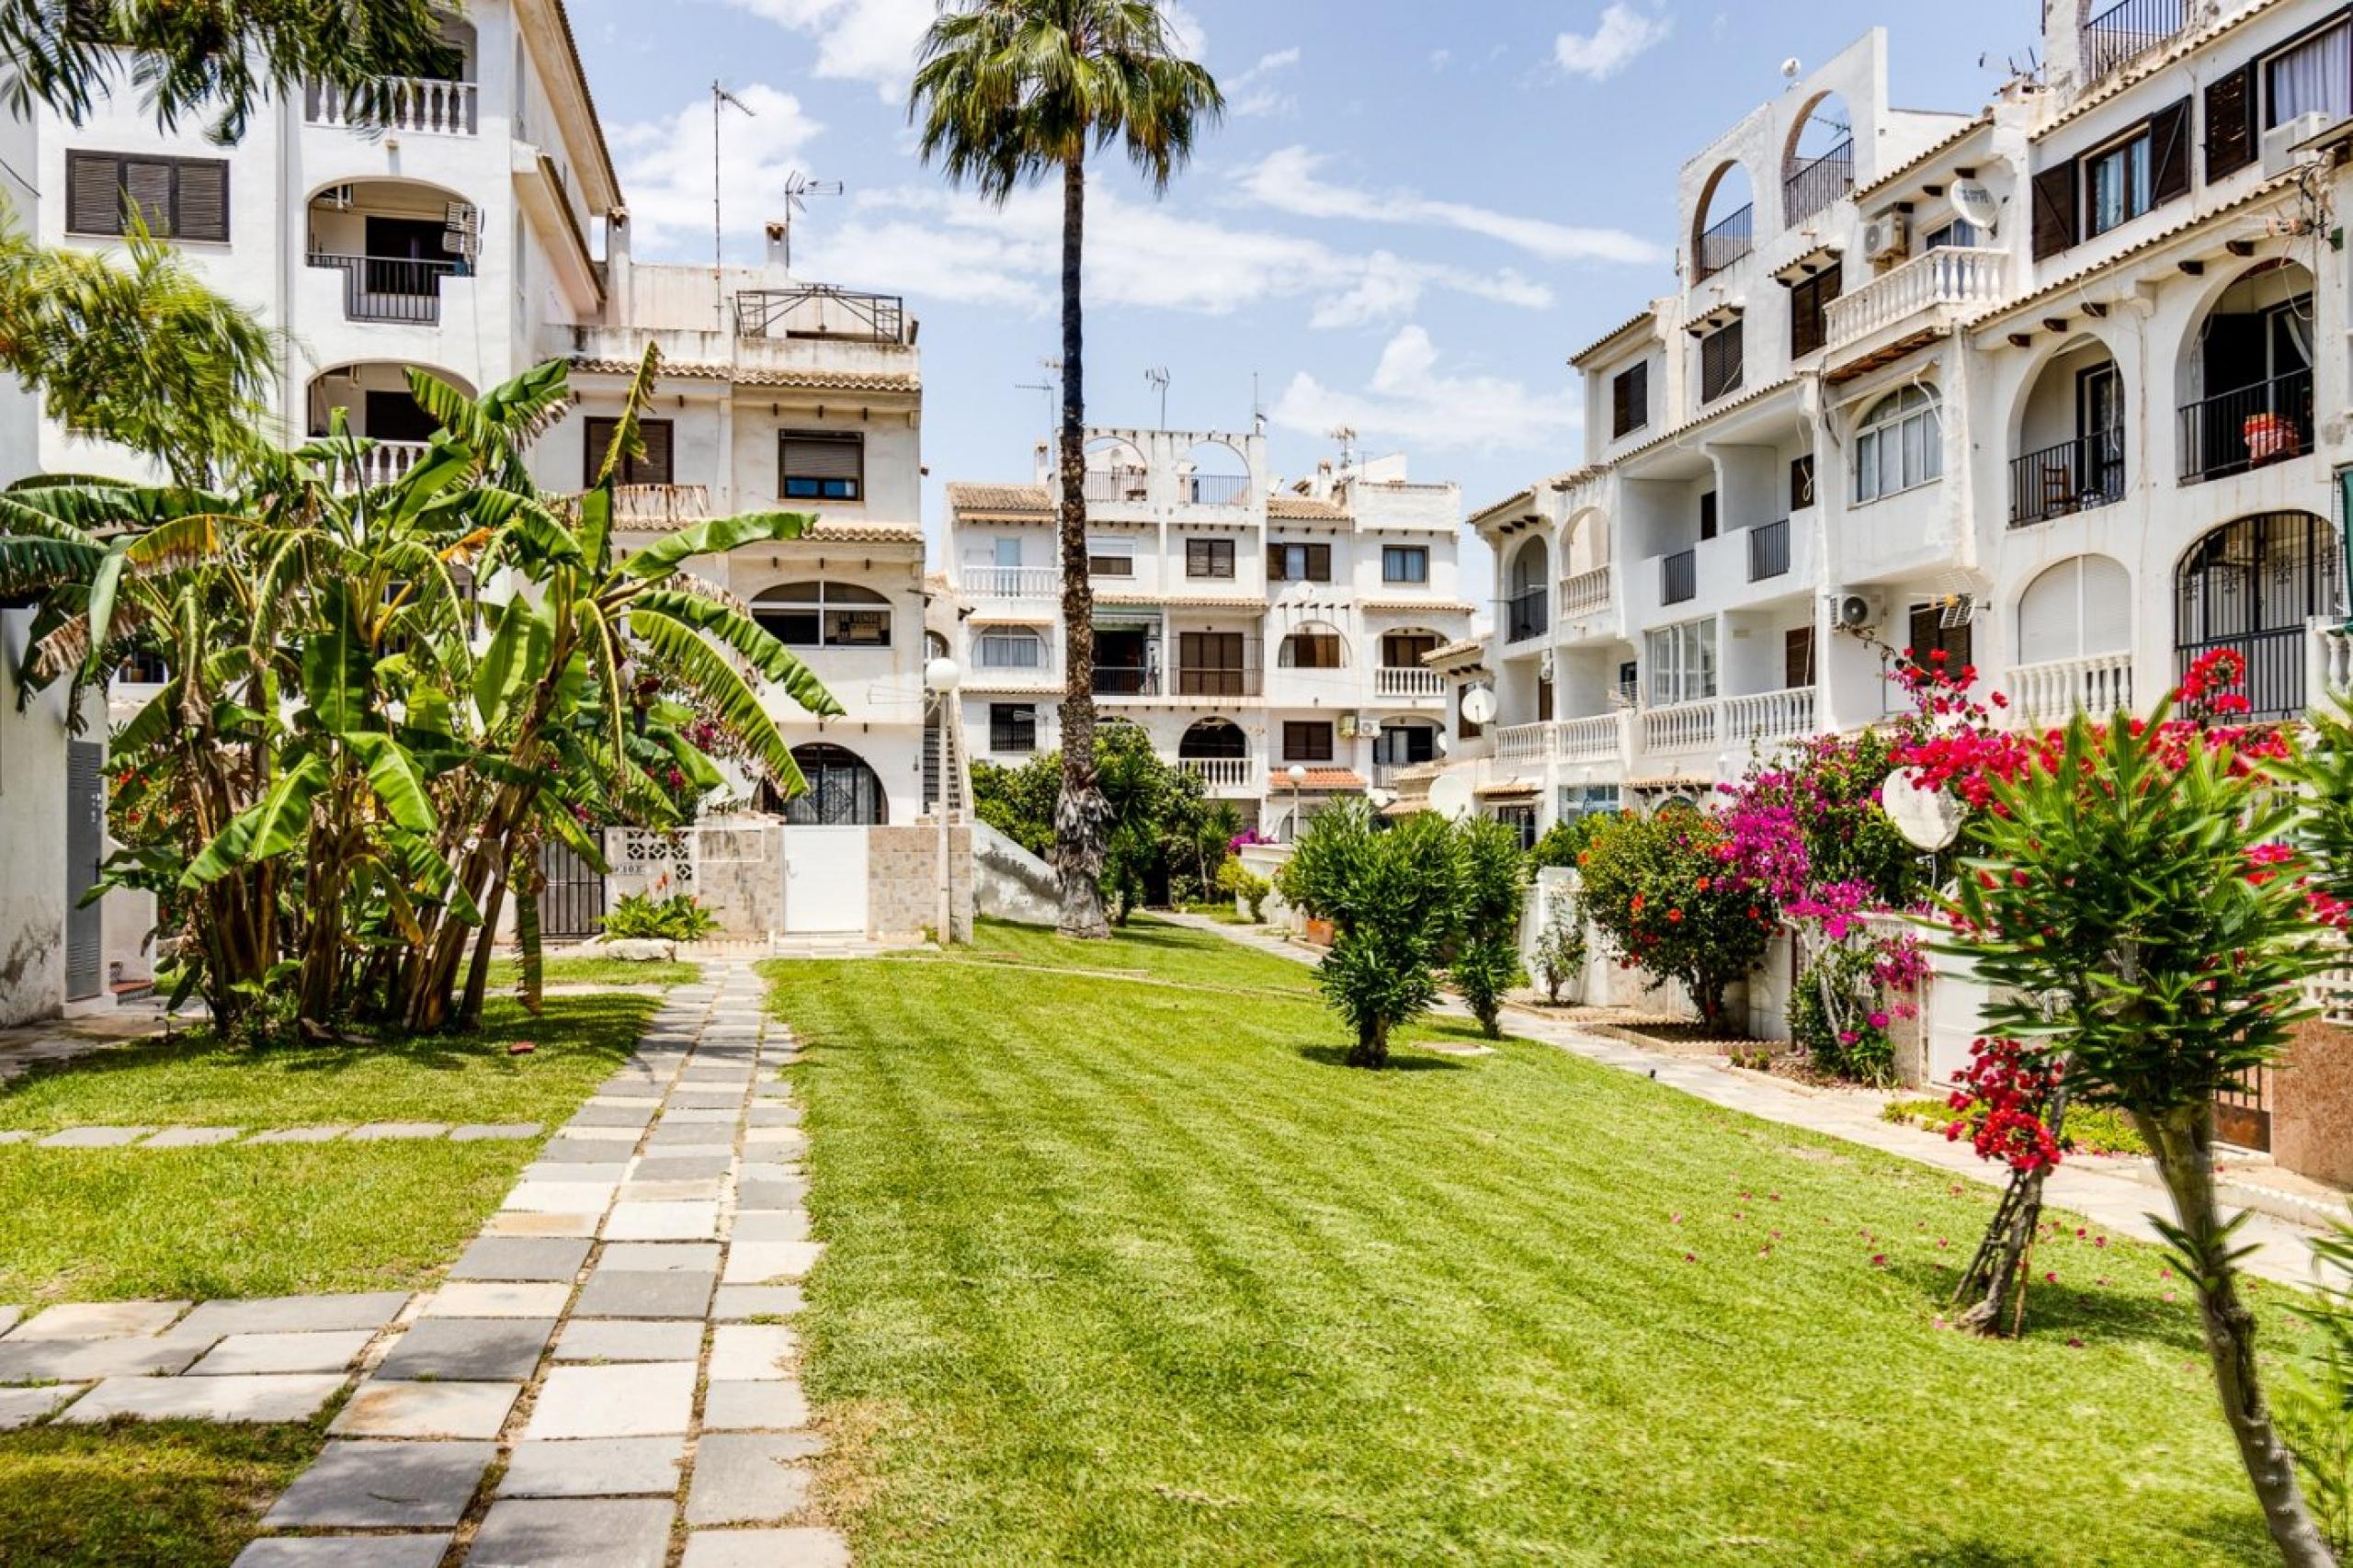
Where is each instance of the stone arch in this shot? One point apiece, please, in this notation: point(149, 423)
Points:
point(1215, 472)
point(1213, 738)
point(2070, 430)
point(844, 792)
point(1818, 158)
point(1585, 542)
point(1530, 567)
point(1315, 645)
point(2251, 586)
point(2243, 370)
point(1717, 240)
point(376, 402)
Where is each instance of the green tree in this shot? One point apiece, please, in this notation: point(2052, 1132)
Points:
point(1561, 947)
point(1656, 888)
point(1486, 953)
point(1010, 93)
point(1393, 894)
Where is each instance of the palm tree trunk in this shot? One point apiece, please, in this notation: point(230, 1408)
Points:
point(1082, 817)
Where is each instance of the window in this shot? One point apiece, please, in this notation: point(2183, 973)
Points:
point(1630, 680)
point(824, 615)
point(2116, 184)
point(1212, 663)
point(1110, 560)
point(1520, 820)
point(652, 468)
point(1406, 746)
point(1797, 657)
point(1013, 727)
point(1312, 651)
point(1720, 361)
point(1708, 516)
point(1404, 563)
point(1931, 636)
point(1299, 563)
point(1306, 741)
point(1404, 650)
point(1683, 663)
point(843, 791)
point(1006, 551)
point(2313, 76)
point(1810, 310)
point(1010, 648)
point(1958, 234)
point(1629, 400)
point(816, 467)
point(1899, 445)
point(178, 199)
point(2229, 122)
point(1209, 558)
point(1801, 483)
point(1587, 801)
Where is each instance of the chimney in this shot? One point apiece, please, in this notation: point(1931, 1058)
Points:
point(779, 248)
point(616, 269)
point(2063, 44)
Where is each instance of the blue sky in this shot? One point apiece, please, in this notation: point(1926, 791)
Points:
point(1413, 214)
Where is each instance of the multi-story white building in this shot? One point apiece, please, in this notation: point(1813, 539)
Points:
point(2057, 388)
point(1248, 628)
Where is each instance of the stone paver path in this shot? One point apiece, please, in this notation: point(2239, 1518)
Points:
point(614, 1348)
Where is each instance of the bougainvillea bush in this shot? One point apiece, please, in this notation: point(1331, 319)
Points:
point(1658, 890)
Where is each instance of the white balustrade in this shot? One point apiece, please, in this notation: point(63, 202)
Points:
point(1949, 275)
point(1523, 742)
point(1592, 739)
point(2330, 672)
point(2053, 693)
point(1586, 592)
point(1013, 582)
point(1685, 726)
point(380, 465)
point(1221, 772)
point(1407, 682)
point(400, 103)
point(1770, 715)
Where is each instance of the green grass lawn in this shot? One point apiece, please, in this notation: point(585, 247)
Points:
point(1135, 1273)
point(590, 971)
point(171, 1493)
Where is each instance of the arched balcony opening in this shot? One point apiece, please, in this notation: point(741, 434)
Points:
point(1402, 743)
point(1116, 471)
point(1585, 564)
point(1402, 673)
point(395, 241)
point(2251, 586)
point(376, 402)
point(1818, 164)
point(1528, 591)
point(2246, 376)
point(2075, 642)
point(1723, 227)
point(843, 790)
point(824, 615)
point(1316, 645)
point(1217, 752)
point(2070, 440)
point(1213, 474)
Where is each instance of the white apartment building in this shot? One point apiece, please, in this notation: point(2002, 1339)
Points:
point(1249, 628)
point(2058, 387)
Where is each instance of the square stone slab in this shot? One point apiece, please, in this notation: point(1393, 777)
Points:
point(499, 1132)
point(596, 1467)
point(463, 1350)
point(745, 1479)
point(770, 1225)
point(347, 1551)
point(658, 1166)
point(329, 1352)
point(691, 1118)
point(706, 1099)
point(653, 1399)
point(375, 1131)
point(756, 1407)
point(611, 1116)
point(527, 1532)
point(661, 1223)
point(522, 1223)
point(690, 1138)
point(755, 1193)
point(774, 1115)
point(87, 1360)
point(613, 1168)
point(771, 1263)
point(95, 1137)
point(320, 1134)
point(22, 1407)
point(706, 1191)
point(192, 1137)
point(98, 1320)
point(241, 1398)
point(483, 1299)
point(559, 1197)
point(426, 1410)
point(742, 1352)
point(383, 1485)
point(687, 1257)
point(593, 1135)
point(737, 1303)
point(522, 1258)
point(295, 1314)
point(573, 1151)
point(626, 1293)
point(623, 1339)
point(801, 1546)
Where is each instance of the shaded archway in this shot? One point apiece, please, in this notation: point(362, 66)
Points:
point(1528, 590)
point(2068, 435)
point(1316, 645)
point(2244, 374)
point(1213, 740)
point(1724, 224)
point(843, 790)
point(824, 615)
point(1818, 161)
point(2251, 586)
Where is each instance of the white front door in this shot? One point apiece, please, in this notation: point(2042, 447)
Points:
point(824, 879)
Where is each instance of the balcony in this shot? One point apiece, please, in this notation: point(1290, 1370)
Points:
point(1012, 582)
point(1527, 614)
point(1723, 243)
point(422, 104)
point(1818, 182)
point(2049, 694)
point(821, 310)
point(1224, 775)
point(1118, 680)
point(1600, 738)
point(2074, 476)
point(391, 289)
point(1219, 680)
point(1407, 682)
point(1950, 279)
point(1524, 742)
point(1217, 489)
point(2124, 32)
point(2234, 431)
point(1117, 487)
point(652, 507)
point(1770, 715)
point(2328, 660)
point(1679, 577)
point(1585, 593)
point(1769, 551)
point(1682, 726)
point(380, 465)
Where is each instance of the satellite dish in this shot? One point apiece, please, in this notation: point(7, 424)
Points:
point(1479, 704)
point(1928, 818)
point(1450, 796)
point(1974, 200)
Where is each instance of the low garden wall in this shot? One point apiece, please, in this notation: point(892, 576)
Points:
point(2312, 1117)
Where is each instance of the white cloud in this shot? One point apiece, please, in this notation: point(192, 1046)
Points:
point(1287, 181)
point(1440, 59)
point(1256, 92)
point(1410, 399)
point(1619, 35)
point(665, 167)
point(858, 41)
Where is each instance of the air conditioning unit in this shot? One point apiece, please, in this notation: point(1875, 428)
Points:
point(1855, 612)
point(1887, 236)
point(1347, 726)
point(2279, 142)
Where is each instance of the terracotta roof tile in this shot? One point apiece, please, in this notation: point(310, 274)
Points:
point(1000, 497)
point(1300, 509)
point(1319, 782)
point(829, 531)
point(743, 376)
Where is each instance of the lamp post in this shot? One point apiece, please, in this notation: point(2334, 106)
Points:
point(940, 677)
point(1298, 776)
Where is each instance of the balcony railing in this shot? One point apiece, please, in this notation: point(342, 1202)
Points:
point(2234, 431)
point(1013, 582)
point(1218, 489)
point(2276, 668)
point(1527, 614)
point(1117, 485)
point(1818, 182)
point(1126, 681)
point(2054, 692)
point(2330, 662)
point(380, 465)
point(1678, 577)
point(1770, 715)
point(1682, 726)
point(1723, 243)
point(1523, 743)
point(1769, 551)
point(2074, 476)
point(1586, 592)
point(390, 289)
point(660, 505)
point(1407, 681)
point(1593, 739)
point(1224, 772)
point(2123, 33)
point(1949, 275)
point(1219, 680)
point(396, 103)
point(819, 310)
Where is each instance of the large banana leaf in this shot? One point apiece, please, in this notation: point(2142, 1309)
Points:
point(33, 564)
point(715, 536)
point(393, 775)
point(270, 826)
point(518, 650)
point(748, 638)
point(723, 695)
point(529, 533)
point(432, 875)
point(337, 673)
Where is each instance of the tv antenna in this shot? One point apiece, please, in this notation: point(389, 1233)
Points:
point(1158, 378)
point(1046, 393)
point(720, 98)
point(798, 186)
point(1346, 436)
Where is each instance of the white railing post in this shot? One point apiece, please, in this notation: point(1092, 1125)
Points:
point(1523, 742)
point(2053, 692)
point(1949, 275)
point(1586, 592)
point(2328, 660)
point(1406, 681)
point(1684, 726)
point(407, 103)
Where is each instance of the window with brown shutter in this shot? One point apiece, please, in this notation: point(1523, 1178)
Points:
point(1810, 310)
point(1720, 362)
point(1797, 657)
point(2169, 154)
point(1299, 563)
point(652, 468)
point(2229, 123)
point(815, 466)
point(2054, 209)
point(1305, 741)
point(178, 199)
point(1209, 558)
point(1629, 400)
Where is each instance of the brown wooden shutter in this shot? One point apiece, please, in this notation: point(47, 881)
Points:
point(2054, 209)
point(1275, 564)
point(147, 186)
point(654, 467)
point(597, 440)
point(2169, 154)
point(1319, 562)
point(1797, 657)
point(2229, 123)
point(93, 194)
point(1638, 396)
point(1621, 419)
point(203, 210)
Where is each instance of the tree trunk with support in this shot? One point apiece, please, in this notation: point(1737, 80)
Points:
point(1998, 1270)
point(1082, 817)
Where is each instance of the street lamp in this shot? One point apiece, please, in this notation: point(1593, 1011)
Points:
point(1298, 776)
point(940, 678)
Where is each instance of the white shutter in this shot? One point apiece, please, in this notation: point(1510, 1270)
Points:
point(2050, 615)
point(2108, 606)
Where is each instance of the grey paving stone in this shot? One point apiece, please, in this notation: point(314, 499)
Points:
point(375, 1131)
point(770, 1225)
point(9, 1318)
point(774, 1115)
point(652, 1398)
point(347, 1551)
point(621, 1135)
point(17, 1135)
point(681, 1167)
point(496, 1299)
point(771, 1263)
point(87, 1360)
point(706, 1099)
point(662, 1222)
point(761, 1165)
point(611, 1116)
point(752, 1353)
point(95, 1137)
point(192, 1137)
point(327, 1352)
point(519, 1222)
point(463, 1350)
point(745, 1479)
point(493, 1133)
point(756, 1407)
point(295, 1314)
point(98, 1320)
point(706, 1191)
point(756, 1194)
point(570, 1151)
point(629, 1339)
point(522, 1258)
point(613, 1168)
point(381, 1409)
point(22, 1407)
point(740, 1303)
point(528, 1532)
point(687, 1136)
point(380, 1485)
point(251, 1397)
point(559, 1197)
point(799, 1546)
point(628, 1293)
point(595, 1467)
point(320, 1134)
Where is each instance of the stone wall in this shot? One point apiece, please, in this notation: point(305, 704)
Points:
point(1010, 884)
point(902, 879)
point(2312, 1096)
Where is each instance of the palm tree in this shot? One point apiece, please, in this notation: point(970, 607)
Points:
point(1007, 91)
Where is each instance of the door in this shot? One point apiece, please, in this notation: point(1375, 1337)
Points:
point(85, 820)
point(571, 906)
point(825, 881)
